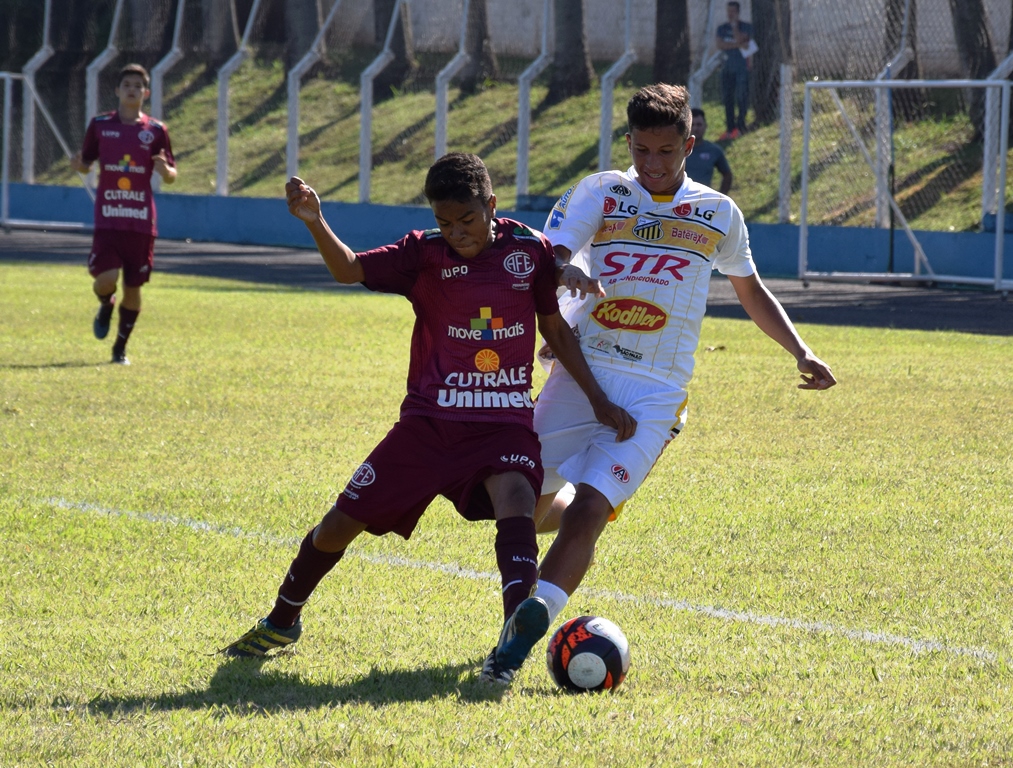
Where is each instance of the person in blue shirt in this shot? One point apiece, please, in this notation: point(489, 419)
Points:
point(733, 38)
point(706, 157)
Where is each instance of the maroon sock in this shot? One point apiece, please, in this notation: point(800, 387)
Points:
point(127, 319)
point(517, 558)
point(308, 568)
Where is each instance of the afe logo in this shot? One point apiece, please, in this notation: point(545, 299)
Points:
point(619, 473)
point(519, 264)
point(145, 137)
point(363, 476)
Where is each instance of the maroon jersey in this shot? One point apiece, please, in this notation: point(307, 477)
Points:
point(474, 337)
point(124, 152)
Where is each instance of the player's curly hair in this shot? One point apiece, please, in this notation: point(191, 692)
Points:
point(134, 69)
point(460, 177)
point(659, 106)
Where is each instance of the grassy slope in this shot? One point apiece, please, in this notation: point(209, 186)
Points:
point(880, 506)
point(938, 182)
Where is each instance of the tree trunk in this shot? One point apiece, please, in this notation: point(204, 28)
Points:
point(302, 23)
point(482, 63)
point(974, 43)
point(772, 32)
point(571, 70)
point(908, 103)
point(221, 36)
point(671, 45)
point(402, 45)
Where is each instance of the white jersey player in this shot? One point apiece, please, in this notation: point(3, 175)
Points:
point(651, 237)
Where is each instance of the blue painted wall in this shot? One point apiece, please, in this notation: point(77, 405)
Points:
point(265, 221)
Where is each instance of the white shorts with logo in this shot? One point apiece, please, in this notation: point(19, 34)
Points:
point(577, 449)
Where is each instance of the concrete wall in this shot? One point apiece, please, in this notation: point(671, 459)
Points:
point(266, 221)
point(829, 37)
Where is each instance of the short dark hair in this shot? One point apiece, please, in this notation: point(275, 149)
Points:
point(458, 176)
point(659, 106)
point(697, 112)
point(134, 69)
point(736, 4)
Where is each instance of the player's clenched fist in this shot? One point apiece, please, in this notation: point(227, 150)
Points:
point(303, 201)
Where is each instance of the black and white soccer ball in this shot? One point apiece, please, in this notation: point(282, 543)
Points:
point(588, 653)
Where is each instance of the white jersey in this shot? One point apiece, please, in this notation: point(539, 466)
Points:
point(654, 256)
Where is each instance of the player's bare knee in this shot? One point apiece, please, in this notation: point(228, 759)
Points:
point(511, 495)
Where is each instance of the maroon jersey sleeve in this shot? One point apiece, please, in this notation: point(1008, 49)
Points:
point(545, 281)
point(89, 150)
point(162, 142)
point(392, 268)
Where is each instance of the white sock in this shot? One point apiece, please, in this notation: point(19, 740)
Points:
point(554, 598)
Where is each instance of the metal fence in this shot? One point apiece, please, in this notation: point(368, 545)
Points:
point(359, 96)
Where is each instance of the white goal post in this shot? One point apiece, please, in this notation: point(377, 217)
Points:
point(7, 83)
point(922, 269)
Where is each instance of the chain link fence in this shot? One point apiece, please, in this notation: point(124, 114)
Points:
point(252, 154)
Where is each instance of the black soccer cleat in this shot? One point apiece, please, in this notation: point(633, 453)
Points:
point(100, 325)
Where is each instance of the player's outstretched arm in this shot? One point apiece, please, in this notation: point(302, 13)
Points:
point(770, 317)
point(567, 351)
point(304, 204)
point(572, 277)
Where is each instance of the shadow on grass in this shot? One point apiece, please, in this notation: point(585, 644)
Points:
point(248, 686)
point(67, 364)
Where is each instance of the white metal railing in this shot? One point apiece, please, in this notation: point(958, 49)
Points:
point(8, 79)
point(369, 74)
point(166, 63)
point(524, 82)
point(784, 167)
point(224, 76)
point(923, 270)
point(99, 63)
point(443, 78)
point(28, 105)
point(608, 82)
point(989, 197)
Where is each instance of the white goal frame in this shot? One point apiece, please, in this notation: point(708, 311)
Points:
point(7, 79)
point(922, 272)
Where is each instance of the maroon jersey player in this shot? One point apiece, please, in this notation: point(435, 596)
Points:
point(128, 145)
point(479, 286)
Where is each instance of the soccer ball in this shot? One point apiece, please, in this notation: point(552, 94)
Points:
point(588, 653)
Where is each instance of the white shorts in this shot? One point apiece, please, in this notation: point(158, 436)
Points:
point(577, 449)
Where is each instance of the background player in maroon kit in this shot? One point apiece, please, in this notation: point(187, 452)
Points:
point(129, 145)
point(476, 284)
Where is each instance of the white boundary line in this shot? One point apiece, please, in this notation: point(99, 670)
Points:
point(819, 627)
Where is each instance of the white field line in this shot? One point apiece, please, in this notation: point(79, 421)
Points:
point(817, 627)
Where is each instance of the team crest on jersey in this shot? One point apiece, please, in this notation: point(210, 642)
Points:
point(634, 315)
point(145, 137)
point(364, 475)
point(648, 229)
point(519, 264)
point(619, 473)
point(609, 206)
point(619, 189)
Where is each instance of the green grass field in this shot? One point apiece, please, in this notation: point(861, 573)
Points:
point(805, 579)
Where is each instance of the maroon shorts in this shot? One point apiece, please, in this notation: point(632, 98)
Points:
point(421, 458)
point(133, 252)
